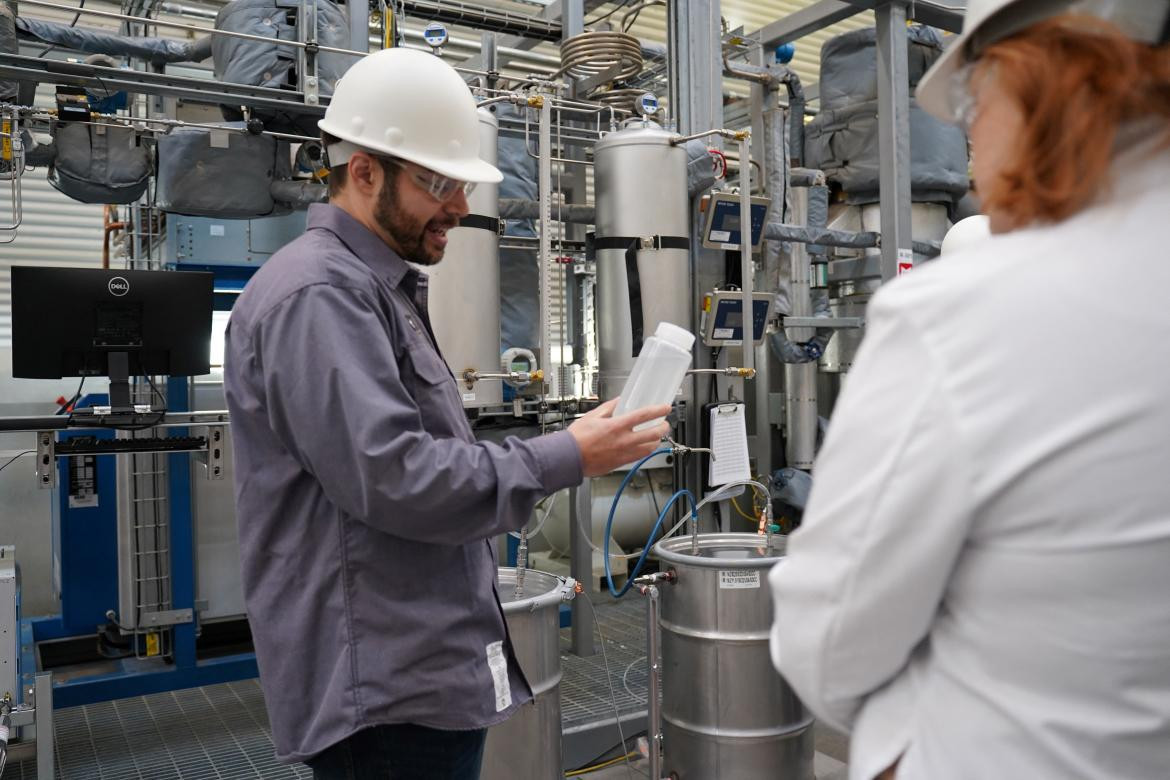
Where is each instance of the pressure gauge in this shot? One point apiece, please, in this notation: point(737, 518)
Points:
point(435, 35)
point(647, 104)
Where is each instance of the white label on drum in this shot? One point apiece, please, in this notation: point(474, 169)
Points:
point(469, 396)
point(739, 579)
point(498, 664)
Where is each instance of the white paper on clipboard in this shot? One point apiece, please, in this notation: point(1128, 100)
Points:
point(729, 444)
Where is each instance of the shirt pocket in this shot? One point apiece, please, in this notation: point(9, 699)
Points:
point(435, 391)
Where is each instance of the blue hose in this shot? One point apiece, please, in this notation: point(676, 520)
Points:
point(653, 532)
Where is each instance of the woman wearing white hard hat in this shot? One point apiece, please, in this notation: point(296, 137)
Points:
point(979, 588)
point(965, 233)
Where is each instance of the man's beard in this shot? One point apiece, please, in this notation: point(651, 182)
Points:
point(409, 233)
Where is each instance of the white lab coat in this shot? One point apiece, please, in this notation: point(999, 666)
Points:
point(982, 581)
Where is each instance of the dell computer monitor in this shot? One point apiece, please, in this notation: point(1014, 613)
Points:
point(88, 322)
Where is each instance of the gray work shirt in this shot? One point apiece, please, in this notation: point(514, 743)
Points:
point(366, 508)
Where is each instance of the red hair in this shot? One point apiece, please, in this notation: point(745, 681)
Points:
point(1076, 79)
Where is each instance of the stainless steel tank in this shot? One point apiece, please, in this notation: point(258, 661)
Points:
point(465, 288)
point(727, 713)
point(640, 190)
point(852, 290)
point(528, 744)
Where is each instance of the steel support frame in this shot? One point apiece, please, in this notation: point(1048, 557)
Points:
point(358, 12)
point(15, 66)
point(696, 104)
point(807, 20)
point(483, 17)
point(552, 12)
point(944, 14)
point(893, 134)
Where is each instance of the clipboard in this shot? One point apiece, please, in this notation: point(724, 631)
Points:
point(729, 446)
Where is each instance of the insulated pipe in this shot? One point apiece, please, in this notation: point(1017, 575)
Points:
point(298, 193)
point(779, 231)
point(180, 26)
point(747, 274)
point(519, 208)
point(839, 238)
point(796, 103)
point(771, 77)
point(777, 184)
point(201, 49)
point(800, 378)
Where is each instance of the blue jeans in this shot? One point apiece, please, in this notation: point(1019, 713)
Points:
point(402, 752)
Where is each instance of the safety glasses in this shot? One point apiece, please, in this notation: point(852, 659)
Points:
point(438, 186)
point(964, 101)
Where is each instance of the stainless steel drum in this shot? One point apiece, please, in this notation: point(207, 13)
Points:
point(528, 745)
point(726, 711)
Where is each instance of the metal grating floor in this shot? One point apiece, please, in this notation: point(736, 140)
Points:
point(215, 733)
point(585, 688)
point(221, 732)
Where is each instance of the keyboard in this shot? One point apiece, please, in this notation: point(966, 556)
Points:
point(92, 445)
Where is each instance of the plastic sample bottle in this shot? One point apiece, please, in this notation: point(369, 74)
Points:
point(659, 370)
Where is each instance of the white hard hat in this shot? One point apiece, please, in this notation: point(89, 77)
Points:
point(411, 105)
point(989, 21)
point(965, 233)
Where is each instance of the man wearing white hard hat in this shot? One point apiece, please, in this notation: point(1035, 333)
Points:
point(978, 589)
point(366, 507)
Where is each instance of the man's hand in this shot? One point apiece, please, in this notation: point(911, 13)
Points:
point(607, 442)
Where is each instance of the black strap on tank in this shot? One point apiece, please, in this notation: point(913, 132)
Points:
point(632, 245)
point(490, 224)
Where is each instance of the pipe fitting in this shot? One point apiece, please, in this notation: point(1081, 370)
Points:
point(647, 580)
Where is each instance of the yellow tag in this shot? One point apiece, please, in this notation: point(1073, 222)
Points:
point(152, 644)
point(6, 140)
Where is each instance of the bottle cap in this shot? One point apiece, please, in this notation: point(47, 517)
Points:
point(673, 334)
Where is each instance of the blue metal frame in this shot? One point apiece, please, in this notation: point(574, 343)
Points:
point(89, 586)
point(88, 547)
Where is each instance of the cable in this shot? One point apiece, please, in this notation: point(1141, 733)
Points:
point(68, 405)
point(619, 6)
point(76, 16)
point(645, 550)
point(597, 767)
point(617, 714)
point(653, 495)
point(552, 500)
point(724, 491)
point(15, 457)
point(613, 509)
point(626, 674)
point(626, 27)
point(742, 514)
point(161, 400)
point(5, 729)
point(653, 532)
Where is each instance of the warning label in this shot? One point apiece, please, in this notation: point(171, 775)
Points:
point(905, 261)
point(739, 579)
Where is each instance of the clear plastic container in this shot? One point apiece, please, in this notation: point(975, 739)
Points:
point(659, 370)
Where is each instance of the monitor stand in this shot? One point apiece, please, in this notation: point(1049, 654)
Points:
point(119, 373)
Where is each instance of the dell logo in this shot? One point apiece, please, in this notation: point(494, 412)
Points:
point(119, 286)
